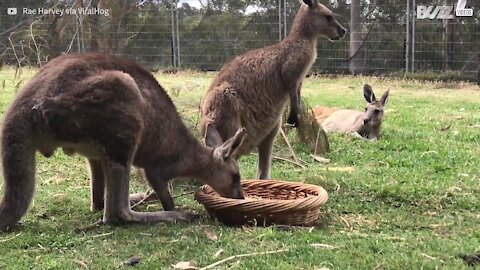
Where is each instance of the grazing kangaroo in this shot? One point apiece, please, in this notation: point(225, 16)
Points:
point(361, 124)
point(113, 112)
point(253, 89)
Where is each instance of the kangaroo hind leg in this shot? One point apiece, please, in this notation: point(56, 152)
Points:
point(97, 185)
point(265, 154)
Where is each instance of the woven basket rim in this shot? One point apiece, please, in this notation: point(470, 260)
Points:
point(312, 202)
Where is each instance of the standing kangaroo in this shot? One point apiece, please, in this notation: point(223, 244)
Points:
point(361, 124)
point(253, 89)
point(113, 112)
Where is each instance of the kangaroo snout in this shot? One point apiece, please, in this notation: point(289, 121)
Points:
point(366, 121)
point(236, 193)
point(341, 31)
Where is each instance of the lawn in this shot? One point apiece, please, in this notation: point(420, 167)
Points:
point(407, 201)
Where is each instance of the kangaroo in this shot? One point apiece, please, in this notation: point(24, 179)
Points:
point(253, 89)
point(113, 112)
point(361, 124)
point(321, 113)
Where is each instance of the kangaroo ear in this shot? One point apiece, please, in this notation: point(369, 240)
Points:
point(309, 2)
point(368, 93)
point(212, 137)
point(384, 98)
point(228, 148)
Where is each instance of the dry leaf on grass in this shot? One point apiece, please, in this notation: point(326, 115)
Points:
point(339, 169)
point(323, 246)
point(320, 159)
point(81, 263)
point(220, 251)
point(210, 234)
point(444, 129)
point(185, 265)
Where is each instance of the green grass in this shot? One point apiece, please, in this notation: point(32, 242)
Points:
point(411, 202)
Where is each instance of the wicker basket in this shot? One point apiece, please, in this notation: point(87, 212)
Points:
point(270, 202)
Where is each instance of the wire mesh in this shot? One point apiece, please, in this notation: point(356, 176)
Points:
point(205, 34)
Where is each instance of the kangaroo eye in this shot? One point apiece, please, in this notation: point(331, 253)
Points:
point(366, 109)
point(329, 18)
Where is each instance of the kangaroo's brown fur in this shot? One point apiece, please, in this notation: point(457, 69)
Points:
point(321, 113)
point(113, 112)
point(361, 124)
point(253, 89)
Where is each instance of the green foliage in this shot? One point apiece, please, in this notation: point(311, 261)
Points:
point(411, 201)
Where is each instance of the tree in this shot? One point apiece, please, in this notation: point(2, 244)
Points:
point(357, 59)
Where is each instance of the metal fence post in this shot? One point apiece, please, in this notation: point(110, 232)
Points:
point(407, 41)
point(175, 35)
point(279, 20)
point(178, 34)
point(174, 41)
point(413, 37)
point(284, 18)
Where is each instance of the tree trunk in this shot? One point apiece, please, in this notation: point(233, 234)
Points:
point(357, 63)
point(448, 45)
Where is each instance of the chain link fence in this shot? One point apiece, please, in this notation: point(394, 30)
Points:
point(205, 34)
point(446, 45)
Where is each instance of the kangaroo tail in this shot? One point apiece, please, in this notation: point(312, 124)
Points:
point(18, 161)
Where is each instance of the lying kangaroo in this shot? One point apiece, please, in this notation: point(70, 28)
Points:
point(113, 112)
point(253, 89)
point(361, 124)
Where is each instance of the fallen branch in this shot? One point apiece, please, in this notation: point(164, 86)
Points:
point(285, 138)
point(9, 238)
point(90, 227)
point(145, 197)
point(243, 255)
point(101, 235)
point(320, 159)
point(286, 160)
point(430, 257)
point(290, 161)
point(346, 222)
point(338, 169)
point(319, 245)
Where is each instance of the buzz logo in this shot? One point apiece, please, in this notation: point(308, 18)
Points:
point(461, 11)
point(444, 12)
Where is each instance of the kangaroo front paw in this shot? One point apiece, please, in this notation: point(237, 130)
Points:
point(293, 120)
